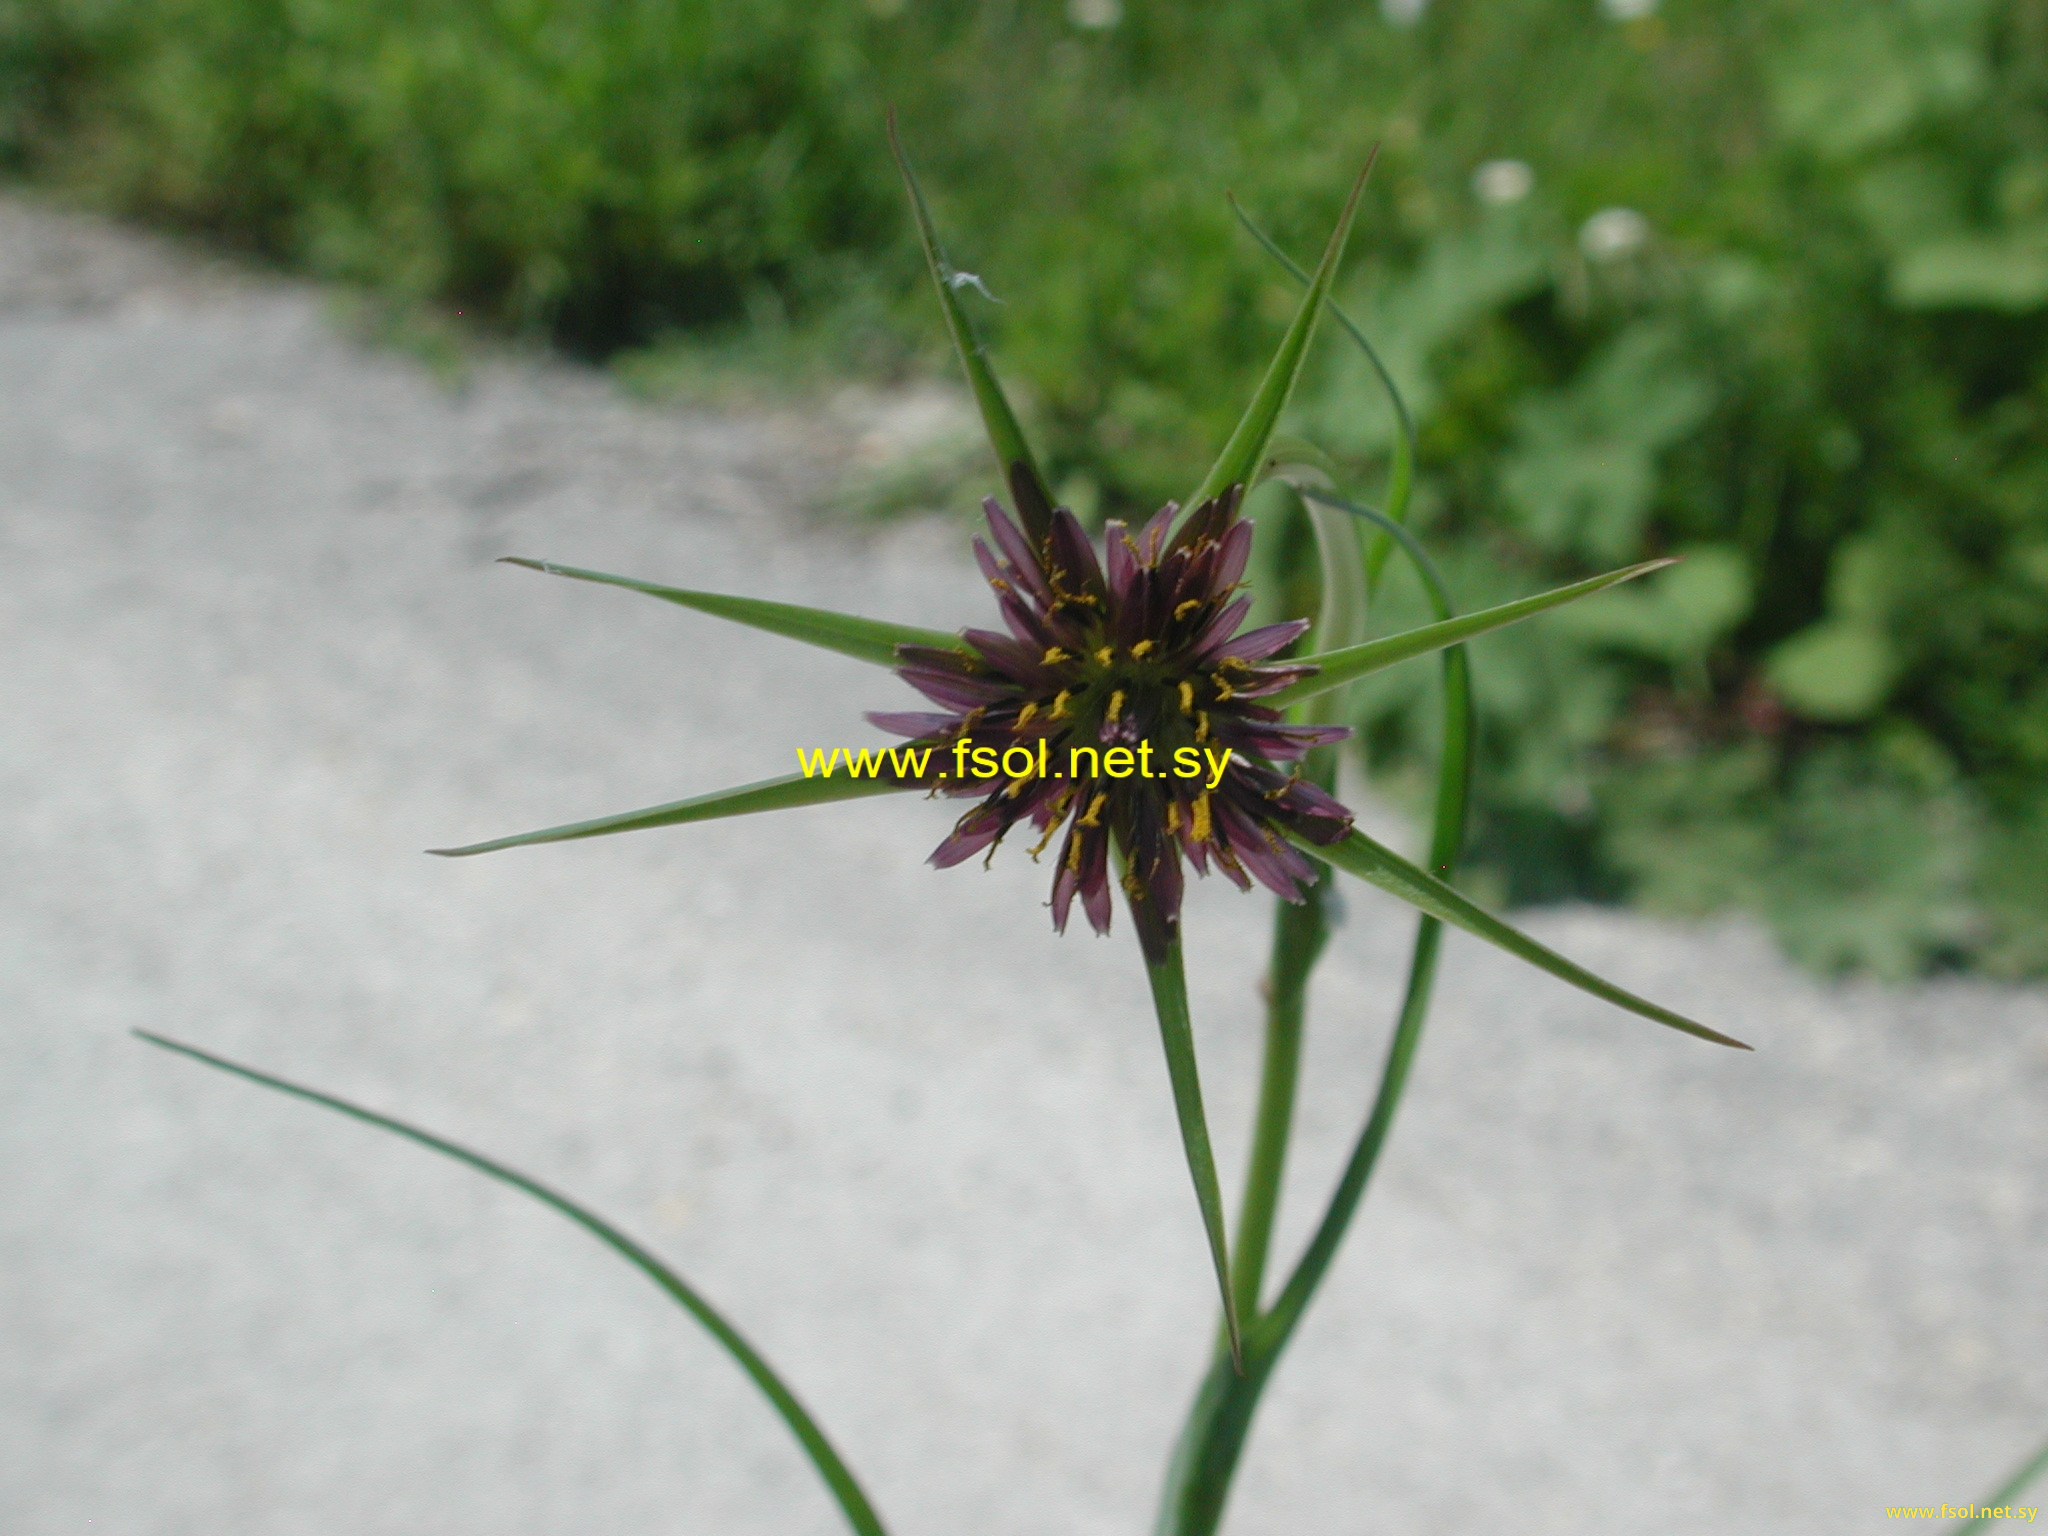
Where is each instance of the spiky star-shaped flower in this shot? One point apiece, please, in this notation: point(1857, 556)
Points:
point(1125, 707)
point(1128, 700)
point(1166, 718)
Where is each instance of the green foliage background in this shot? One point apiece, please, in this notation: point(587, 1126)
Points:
point(1776, 297)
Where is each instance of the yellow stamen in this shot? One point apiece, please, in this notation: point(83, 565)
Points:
point(1172, 816)
point(1142, 649)
point(1025, 715)
point(1093, 818)
point(1074, 855)
point(1053, 657)
point(1187, 697)
point(972, 718)
point(1039, 847)
point(1059, 705)
point(1202, 827)
point(1116, 704)
point(1133, 886)
point(1201, 725)
point(1223, 689)
point(1187, 607)
point(1106, 655)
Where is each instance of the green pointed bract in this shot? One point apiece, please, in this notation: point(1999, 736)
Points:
point(871, 640)
point(1170, 999)
point(1377, 865)
point(1242, 454)
point(1026, 484)
point(839, 1479)
point(768, 795)
point(1401, 475)
point(1340, 667)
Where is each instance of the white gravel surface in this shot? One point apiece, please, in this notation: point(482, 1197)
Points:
point(257, 657)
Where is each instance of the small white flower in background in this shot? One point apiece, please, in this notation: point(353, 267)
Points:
point(1628, 10)
point(1503, 181)
point(1095, 14)
point(1613, 233)
point(1403, 13)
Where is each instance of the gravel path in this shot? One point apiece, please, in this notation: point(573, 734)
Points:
point(1613, 1280)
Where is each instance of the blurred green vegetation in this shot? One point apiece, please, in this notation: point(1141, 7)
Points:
point(1763, 283)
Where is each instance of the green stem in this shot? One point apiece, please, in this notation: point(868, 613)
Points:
point(1299, 932)
point(1212, 1440)
point(1198, 1477)
point(1358, 1170)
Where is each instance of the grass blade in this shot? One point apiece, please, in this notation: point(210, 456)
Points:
point(1377, 865)
point(1170, 1000)
point(1341, 667)
point(768, 795)
point(872, 640)
point(1020, 467)
point(1239, 461)
point(2014, 1486)
point(838, 1477)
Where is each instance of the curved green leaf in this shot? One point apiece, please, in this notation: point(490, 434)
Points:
point(1170, 1001)
point(1340, 667)
point(1246, 447)
point(872, 640)
point(768, 795)
point(1381, 866)
point(1020, 468)
point(845, 1488)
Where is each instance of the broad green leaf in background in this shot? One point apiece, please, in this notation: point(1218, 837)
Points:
point(839, 1479)
point(1836, 670)
point(1849, 77)
point(767, 795)
point(1907, 199)
point(872, 640)
point(2006, 272)
point(1584, 467)
point(1842, 667)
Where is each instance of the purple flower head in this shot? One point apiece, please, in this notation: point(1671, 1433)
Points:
point(1122, 706)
